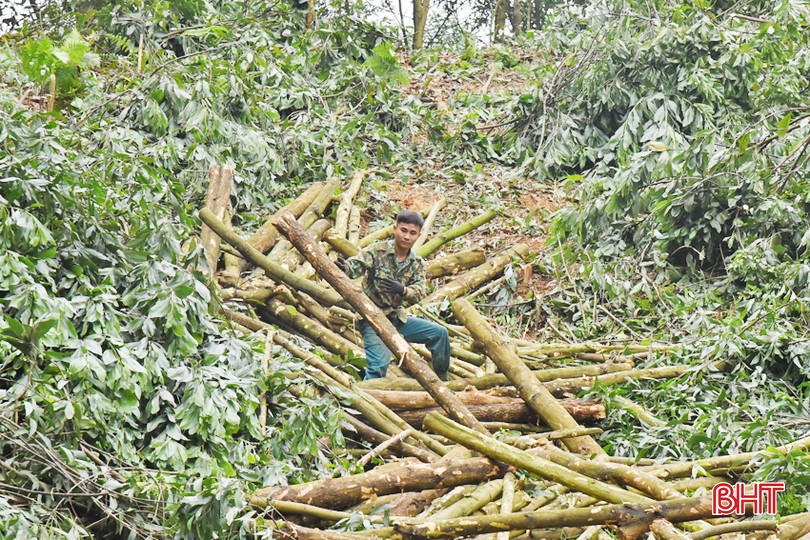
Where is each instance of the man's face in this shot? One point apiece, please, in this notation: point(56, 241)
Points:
point(405, 234)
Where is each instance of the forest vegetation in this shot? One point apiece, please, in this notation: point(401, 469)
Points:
point(655, 155)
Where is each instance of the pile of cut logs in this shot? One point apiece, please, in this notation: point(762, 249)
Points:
point(497, 452)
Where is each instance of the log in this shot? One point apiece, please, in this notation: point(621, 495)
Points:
point(530, 389)
point(406, 475)
point(265, 238)
point(735, 526)
point(496, 379)
point(507, 501)
point(455, 263)
point(796, 528)
point(289, 317)
point(438, 241)
point(497, 450)
point(401, 349)
point(217, 200)
point(431, 217)
point(354, 226)
point(346, 201)
point(643, 514)
point(313, 212)
point(375, 412)
point(411, 504)
point(609, 472)
point(665, 530)
point(475, 277)
point(514, 410)
point(292, 258)
point(482, 495)
point(273, 270)
point(371, 435)
point(229, 275)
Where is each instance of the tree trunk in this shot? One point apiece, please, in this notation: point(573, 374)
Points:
point(455, 263)
point(497, 379)
point(265, 238)
point(500, 20)
point(677, 510)
point(514, 410)
point(530, 389)
point(309, 217)
point(538, 14)
point(406, 475)
point(549, 470)
point(341, 227)
point(516, 17)
point(274, 271)
point(288, 316)
point(420, 14)
point(475, 277)
point(293, 258)
point(217, 200)
point(438, 241)
point(400, 348)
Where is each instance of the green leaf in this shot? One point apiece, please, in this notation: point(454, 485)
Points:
point(783, 125)
point(41, 328)
point(384, 64)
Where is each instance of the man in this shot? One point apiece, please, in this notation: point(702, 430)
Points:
point(395, 275)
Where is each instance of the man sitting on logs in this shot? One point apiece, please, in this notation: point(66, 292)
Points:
point(393, 275)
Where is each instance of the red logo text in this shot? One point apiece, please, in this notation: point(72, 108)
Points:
point(728, 499)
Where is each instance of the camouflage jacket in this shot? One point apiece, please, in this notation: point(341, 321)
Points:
point(380, 262)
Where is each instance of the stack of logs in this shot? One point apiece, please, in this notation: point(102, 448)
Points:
point(497, 452)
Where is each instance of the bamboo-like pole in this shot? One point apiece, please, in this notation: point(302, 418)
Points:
point(401, 349)
point(497, 450)
point(291, 318)
point(473, 278)
point(217, 201)
point(313, 212)
point(507, 501)
point(532, 391)
point(455, 263)
point(643, 514)
point(438, 241)
point(481, 496)
point(496, 379)
point(273, 270)
point(354, 226)
point(734, 527)
point(346, 201)
point(431, 217)
point(665, 530)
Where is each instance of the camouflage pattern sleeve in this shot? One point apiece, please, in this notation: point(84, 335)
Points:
point(359, 265)
point(417, 286)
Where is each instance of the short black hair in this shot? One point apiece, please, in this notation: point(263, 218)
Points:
point(409, 216)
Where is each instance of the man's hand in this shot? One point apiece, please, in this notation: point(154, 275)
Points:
point(391, 286)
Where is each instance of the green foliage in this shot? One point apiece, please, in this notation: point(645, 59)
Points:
point(40, 59)
point(385, 65)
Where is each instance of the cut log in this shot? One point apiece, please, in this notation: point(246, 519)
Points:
point(293, 258)
point(481, 496)
point(217, 200)
point(346, 202)
point(475, 277)
point(497, 450)
point(530, 389)
point(496, 379)
point(273, 270)
point(308, 218)
point(401, 349)
point(438, 241)
point(455, 263)
point(354, 226)
point(428, 225)
point(289, 317)
point(265, 238)
point(513, 410)
point(735, 527)
point(665, 530)
point(377, 437)
point(405, 475)
point(644, 514)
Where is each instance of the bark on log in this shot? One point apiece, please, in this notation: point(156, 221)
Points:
point(371, 435)
point(497, 450)
point(496, 379)
point(289, 317)
point(431, 217)
point(736, 526)
point(609, 472)
point(455, 263)
point(265, 238)
point(354, 226)
point(293, 258)
point(530, 389)
point(274, 271)
point(438, 241)
point(217, 200)
point(310, 216)
point(665, 530)
point(482, 495)
point(405, 475)
point(475, 277)
point(346, 201)
point(677, 511)
point(401, 349)
point(795, 528)
point(514, 410)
